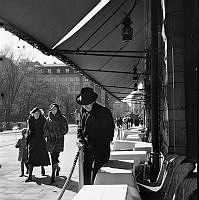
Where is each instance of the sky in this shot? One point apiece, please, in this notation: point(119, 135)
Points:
point(20, 47)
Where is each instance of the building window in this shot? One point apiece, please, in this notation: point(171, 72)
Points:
point(71, 79)
point(49, 71)
point(71, 86)
point(58, 71)
point(44, 71)
point(87, 84)
point(77, 88)
point(67, 71)
point(70, 96)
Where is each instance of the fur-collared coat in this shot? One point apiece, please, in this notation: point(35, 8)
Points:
point(55, 128)
point(37, 152)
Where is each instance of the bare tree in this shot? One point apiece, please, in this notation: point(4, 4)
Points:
point(66, 100)
point(22, 86)
point(36, 91)
point(12, 74)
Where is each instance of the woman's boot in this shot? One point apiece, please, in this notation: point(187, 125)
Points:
point(54, 167)
point(58, 170)
point(22, 169)
point(30, 169)
point(42, 171)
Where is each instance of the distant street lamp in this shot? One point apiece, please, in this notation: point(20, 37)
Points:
point(127, 30)
point(2, 96)
point(2, 102)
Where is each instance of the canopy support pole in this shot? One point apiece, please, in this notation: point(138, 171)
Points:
point(154, 90)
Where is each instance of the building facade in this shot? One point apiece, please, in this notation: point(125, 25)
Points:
point(60, 74)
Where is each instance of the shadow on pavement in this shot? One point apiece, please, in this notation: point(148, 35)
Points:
point(59, 182)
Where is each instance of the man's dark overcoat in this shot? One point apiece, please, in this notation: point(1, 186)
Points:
point(96, 131)
point(97, 126)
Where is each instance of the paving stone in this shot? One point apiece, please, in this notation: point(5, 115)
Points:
point(13, 187)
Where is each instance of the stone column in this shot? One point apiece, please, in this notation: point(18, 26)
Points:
point(176, 85)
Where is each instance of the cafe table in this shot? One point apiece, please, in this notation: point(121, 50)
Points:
point(108, 192)
point(139, 156)
point(123, 145)
point(143, 146)
point(130, 132)
point(119, 145)
point(132, 138)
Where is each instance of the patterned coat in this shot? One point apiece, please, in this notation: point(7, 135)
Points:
point(54, 130)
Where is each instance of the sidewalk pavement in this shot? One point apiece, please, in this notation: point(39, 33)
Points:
point(13, 187)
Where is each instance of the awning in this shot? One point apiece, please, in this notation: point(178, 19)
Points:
point(96, 49)
point(47, 21)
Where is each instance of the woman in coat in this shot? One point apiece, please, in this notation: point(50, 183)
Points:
point(55, 128)
point(37, 152)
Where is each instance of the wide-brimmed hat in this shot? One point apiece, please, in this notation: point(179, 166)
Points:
point(86, 96)
point(54, 105)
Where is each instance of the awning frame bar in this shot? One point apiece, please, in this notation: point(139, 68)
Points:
point(113, 71)
point(98, 51)
point(104, 55)
point(121, 87)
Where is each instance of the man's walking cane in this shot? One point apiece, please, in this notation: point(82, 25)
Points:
point(81, 174)
point(81, 168)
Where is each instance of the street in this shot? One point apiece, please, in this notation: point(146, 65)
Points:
point(13, 187)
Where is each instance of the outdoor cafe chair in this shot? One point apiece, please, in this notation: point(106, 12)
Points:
point(182, 171)
point(167, 159)
point(157, 192)
point(186, 190)
point(179, 174)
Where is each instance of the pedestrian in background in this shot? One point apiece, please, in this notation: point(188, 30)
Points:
point(37, 151)
point(55, 128)
point(23, 151)
point(95, 132)
point(77, 116)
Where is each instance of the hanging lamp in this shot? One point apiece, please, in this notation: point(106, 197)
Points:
point(127, 30)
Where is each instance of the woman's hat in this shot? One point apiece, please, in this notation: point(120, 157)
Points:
point(34, 110)
point(86, 96)
point(54, 105)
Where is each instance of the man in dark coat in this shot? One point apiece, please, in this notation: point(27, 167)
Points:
point(95, 132)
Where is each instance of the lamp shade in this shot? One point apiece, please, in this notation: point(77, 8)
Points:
point(127, 30)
